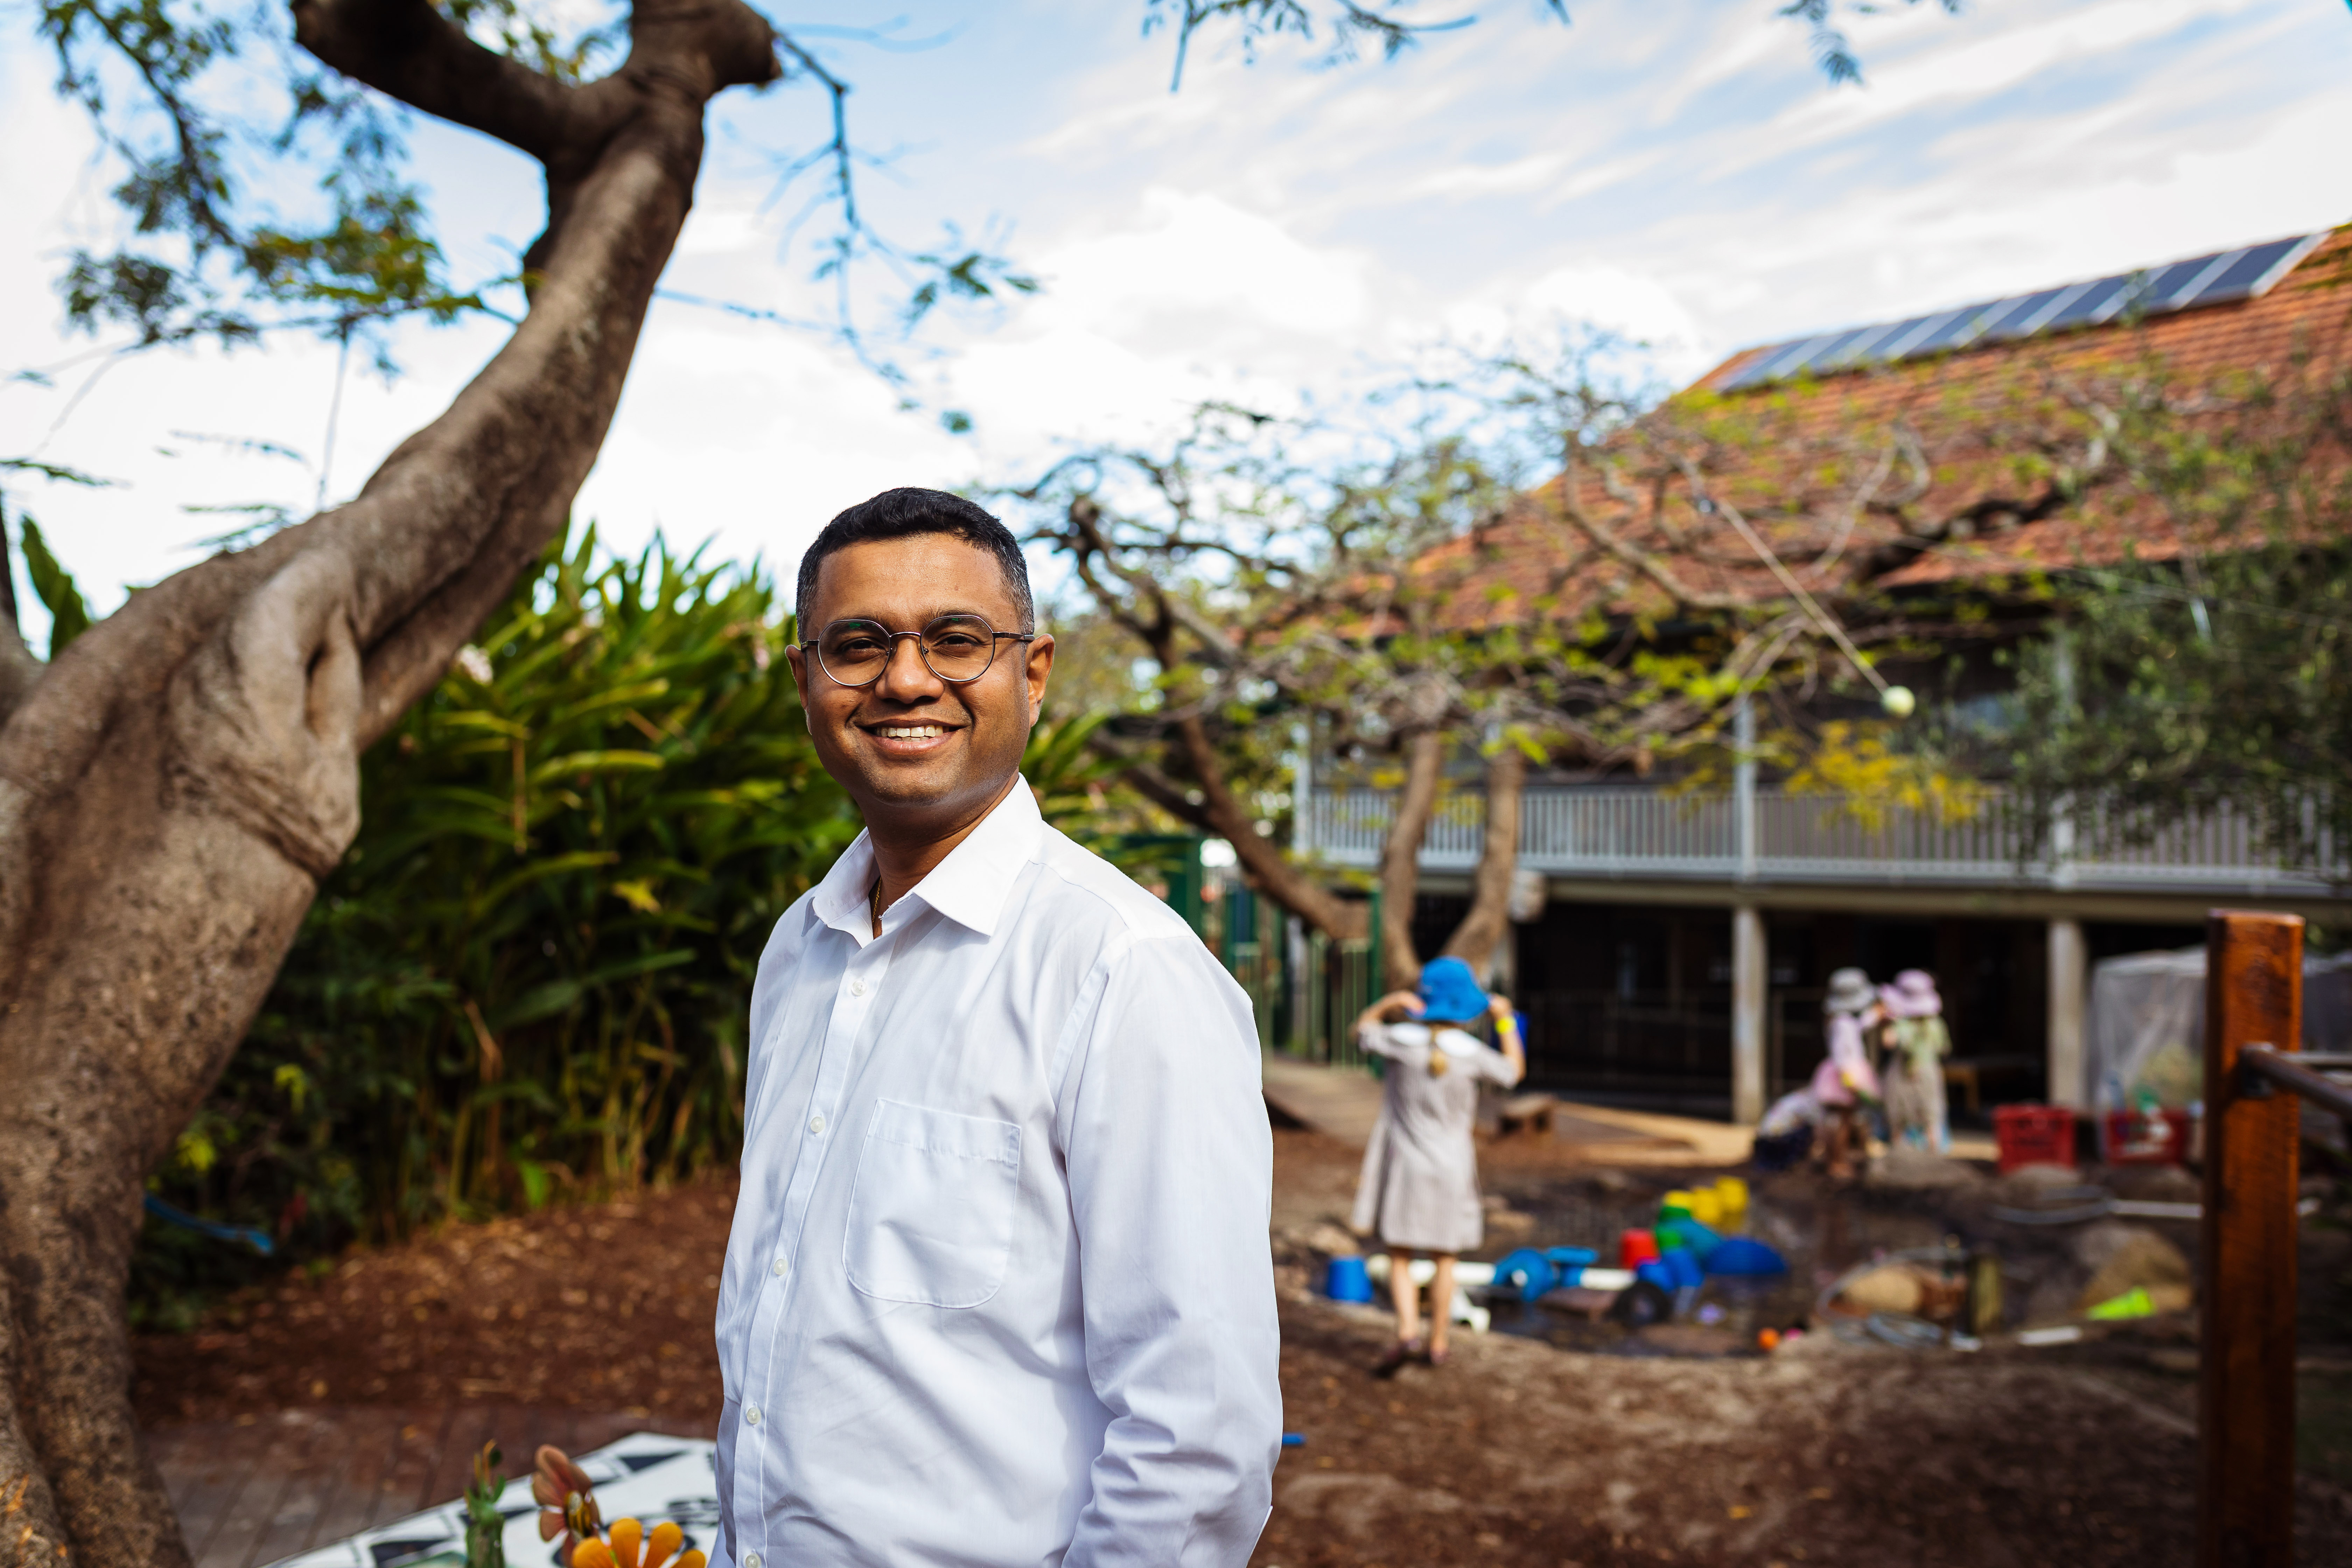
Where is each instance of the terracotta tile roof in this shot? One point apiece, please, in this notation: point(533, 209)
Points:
point(1957, 462)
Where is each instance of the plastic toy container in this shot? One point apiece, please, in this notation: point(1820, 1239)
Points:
point(2033, 1136)
point(2129, 1138)
point(1689, 1233)
point(1743, 1256)
point(1346, 1280)
point(1732, 1194)
point(1636, 1247)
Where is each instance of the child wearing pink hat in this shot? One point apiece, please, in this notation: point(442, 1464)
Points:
point(1844, 1082)
point(1918, 1043)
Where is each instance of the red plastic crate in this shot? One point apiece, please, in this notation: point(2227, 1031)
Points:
point(2128, 1138)
point(2033, 1136)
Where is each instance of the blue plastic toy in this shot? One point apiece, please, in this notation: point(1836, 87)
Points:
point(1683, 1264)
point(1656, 1273)
point(1347, 1280)
point(1528, 1271)
point(1700, 1238)
point(1570, 1262)
point(1744, 1257)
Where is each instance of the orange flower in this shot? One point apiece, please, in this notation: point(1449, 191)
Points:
point(567, 1506)
point(631, 1548)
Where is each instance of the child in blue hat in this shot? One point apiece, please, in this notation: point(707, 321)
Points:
point(1419, 1190)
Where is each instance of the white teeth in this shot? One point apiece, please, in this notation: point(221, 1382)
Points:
point(910, 731)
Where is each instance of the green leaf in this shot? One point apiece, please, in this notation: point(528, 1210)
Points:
point(69, 616)
point(574, 763)
point(539, 1002)
point(540, 871)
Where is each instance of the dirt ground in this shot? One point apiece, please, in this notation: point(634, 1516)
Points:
point(1539, 1447)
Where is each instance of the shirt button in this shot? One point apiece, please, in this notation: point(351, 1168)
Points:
point(750, 1560)
point(751, 1414)
point(817, 1122)
point(779, 1265)
point(857, 988)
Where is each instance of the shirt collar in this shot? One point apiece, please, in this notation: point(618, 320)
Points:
point(969, 887)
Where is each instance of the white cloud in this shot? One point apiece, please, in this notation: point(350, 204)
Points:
point(1672, 168)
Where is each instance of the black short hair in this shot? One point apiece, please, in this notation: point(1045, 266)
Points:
point(904, 513)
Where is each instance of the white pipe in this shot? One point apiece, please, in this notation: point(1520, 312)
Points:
point(1424, 1269)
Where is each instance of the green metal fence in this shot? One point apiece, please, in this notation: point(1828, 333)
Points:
point(1305, 990)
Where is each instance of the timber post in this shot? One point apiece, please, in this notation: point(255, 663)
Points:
point(2245, 1393)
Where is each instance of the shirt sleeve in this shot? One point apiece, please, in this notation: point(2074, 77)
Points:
point(1378, 1040)
point(1482, 1059)
point(1171, 1164)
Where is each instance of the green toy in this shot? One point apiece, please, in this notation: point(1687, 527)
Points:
point(485, 1528)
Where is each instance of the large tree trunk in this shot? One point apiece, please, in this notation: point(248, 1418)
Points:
point(1481, 931)
point(1269, 870)
point(174, 785)
point(1424, 762)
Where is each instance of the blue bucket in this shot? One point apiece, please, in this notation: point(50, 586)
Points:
point(1346, 1280)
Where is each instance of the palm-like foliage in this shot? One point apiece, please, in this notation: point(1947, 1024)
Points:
point(531, 973)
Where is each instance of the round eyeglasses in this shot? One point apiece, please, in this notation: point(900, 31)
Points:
point(958, 648)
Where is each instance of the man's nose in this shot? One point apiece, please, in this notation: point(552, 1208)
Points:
point(908, 675)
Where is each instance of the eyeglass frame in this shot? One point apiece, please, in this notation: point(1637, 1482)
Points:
point(815, 644)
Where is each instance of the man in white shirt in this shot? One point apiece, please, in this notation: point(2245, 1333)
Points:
point(1023, 1312)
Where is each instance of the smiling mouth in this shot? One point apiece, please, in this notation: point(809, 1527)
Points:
point(908, 731)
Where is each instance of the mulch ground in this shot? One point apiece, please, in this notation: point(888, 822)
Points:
point(606, 1308)
point(1515, 1453)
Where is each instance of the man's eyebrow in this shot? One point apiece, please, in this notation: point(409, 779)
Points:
point(925, 619)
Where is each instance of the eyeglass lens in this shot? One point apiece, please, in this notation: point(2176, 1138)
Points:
point(957, 648)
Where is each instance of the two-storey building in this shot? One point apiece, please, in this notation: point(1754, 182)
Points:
point(1683, 938)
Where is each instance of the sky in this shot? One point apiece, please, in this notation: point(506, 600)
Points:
point(1677, 171)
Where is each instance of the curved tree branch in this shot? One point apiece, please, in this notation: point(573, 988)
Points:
point(175, 784)
point(1481, 931)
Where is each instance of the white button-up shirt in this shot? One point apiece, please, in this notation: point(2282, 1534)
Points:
point(999, 1289)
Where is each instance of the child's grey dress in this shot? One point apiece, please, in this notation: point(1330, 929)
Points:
point(1419, 1189)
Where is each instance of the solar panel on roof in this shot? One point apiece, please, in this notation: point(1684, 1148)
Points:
point(2017, 321)
point(2249, 268)
point(1901, 339)
point(1965, 325)
point(2179, 282)
point(2091, 304)
point(1841, 349)
point(2219, 279)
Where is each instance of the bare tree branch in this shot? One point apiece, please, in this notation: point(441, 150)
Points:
point(1483, 928)
point(1425, 752)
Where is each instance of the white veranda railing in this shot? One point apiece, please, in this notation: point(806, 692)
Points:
point(1629, 832)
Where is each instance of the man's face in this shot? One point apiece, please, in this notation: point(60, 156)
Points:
point(918, 753)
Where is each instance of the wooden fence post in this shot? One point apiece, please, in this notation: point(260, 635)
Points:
point(2245, 1392)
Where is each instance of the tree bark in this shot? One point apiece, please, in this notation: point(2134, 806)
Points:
point(1269, 869)
point(1482, 929)
point(1424, 760)
point(174, 784)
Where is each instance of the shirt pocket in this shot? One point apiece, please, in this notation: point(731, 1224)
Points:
point(931, 1211)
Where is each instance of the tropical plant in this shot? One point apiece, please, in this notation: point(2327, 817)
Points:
point(529, 975)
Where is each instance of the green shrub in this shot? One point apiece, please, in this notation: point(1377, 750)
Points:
point(529, 978)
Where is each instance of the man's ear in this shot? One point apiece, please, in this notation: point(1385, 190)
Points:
point(797, 657)
point(1037, 669)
